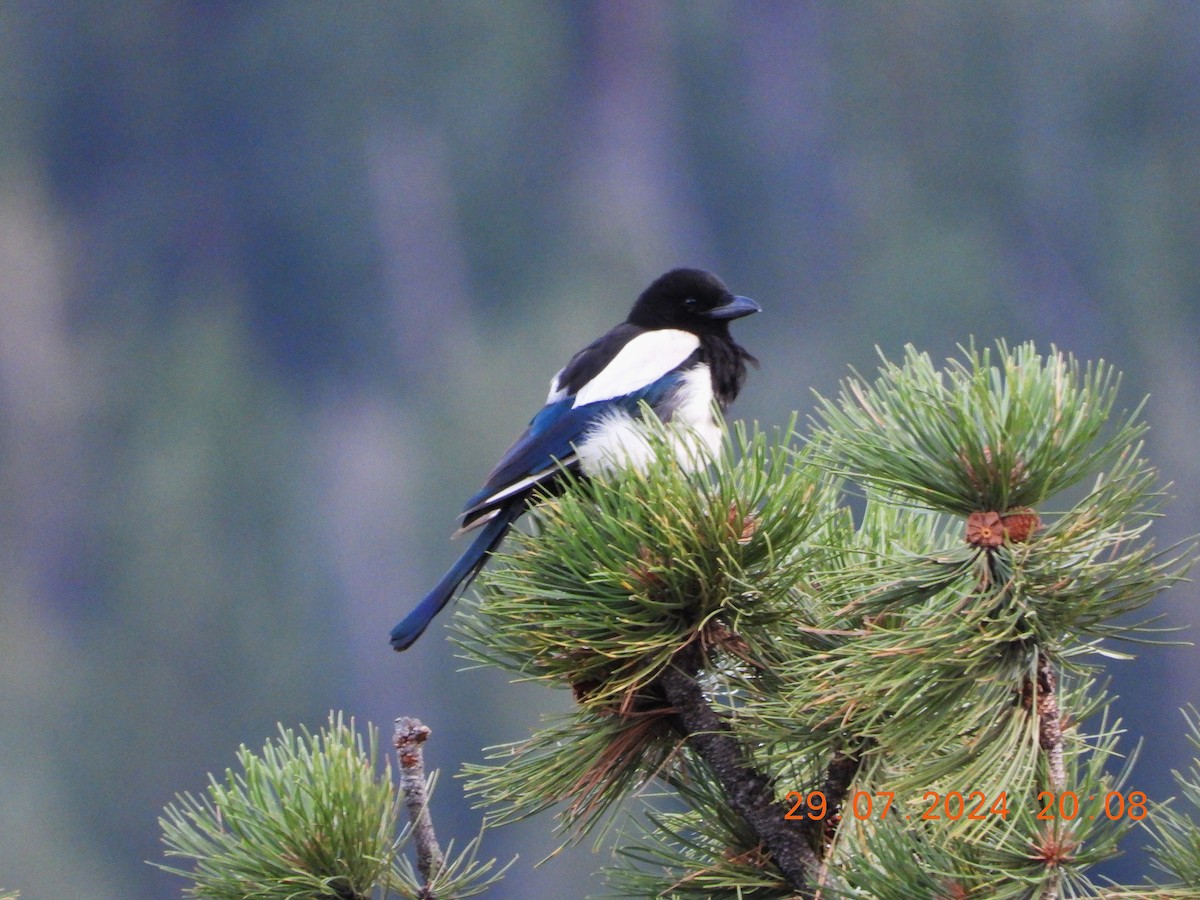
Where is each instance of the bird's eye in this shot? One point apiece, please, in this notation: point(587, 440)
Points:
point(690, 302)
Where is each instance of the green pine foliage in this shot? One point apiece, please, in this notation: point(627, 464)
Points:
point(619, 575)
point(976, 435)
point(887, 609)
point(309, 817)
point(1178, 838)
point(858, 662)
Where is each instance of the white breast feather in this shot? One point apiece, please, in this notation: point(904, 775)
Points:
point(618, 440)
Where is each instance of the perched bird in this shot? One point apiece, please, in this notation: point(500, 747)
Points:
point(673, 352)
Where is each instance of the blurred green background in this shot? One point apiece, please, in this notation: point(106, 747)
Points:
point(279, 281)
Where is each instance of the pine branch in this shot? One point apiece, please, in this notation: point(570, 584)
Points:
point(839, 776)
point(1050, 741)
point(1050, 734)
point(748, 791)
point(407, 738)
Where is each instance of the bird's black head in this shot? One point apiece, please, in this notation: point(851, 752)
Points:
point(690, 300)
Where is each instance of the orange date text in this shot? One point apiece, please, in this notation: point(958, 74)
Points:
point(861, 804)
point(972, 806)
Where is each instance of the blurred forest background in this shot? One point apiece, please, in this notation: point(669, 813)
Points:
point(279, 281)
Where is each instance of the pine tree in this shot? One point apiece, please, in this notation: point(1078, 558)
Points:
point(864, 660)
point(858, 661)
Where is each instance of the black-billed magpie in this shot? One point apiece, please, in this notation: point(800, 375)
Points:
point(674, 352)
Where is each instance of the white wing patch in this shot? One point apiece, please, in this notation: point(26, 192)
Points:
point(644, 360)
point(515, 488)
point(556, 393)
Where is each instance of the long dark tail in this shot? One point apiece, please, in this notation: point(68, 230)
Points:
point(460, 575)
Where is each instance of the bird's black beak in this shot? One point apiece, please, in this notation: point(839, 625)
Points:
point(734, 308)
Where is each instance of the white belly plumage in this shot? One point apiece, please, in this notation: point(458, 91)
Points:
point(619, 439)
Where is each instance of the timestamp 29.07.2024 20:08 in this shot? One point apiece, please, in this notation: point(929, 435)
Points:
point(973, 806)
